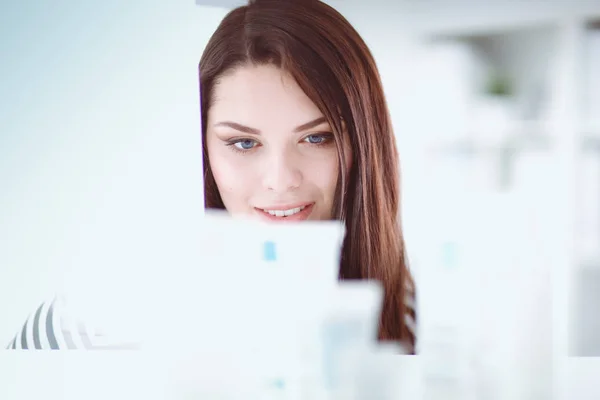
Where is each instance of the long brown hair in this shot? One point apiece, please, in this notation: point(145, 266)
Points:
point(335, 69)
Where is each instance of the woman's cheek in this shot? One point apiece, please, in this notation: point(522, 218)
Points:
point(230, 174)
point(323, 171)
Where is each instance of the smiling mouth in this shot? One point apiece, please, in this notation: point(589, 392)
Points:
point(284, 213)
point(289, 214)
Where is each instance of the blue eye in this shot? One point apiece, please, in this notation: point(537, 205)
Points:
point(245, 144)
point(317, 139)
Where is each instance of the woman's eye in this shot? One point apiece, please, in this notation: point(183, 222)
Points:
point(245, 144)
point(317, 139)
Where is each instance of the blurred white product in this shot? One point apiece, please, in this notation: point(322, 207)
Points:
point(235, 343)
point(307, 251)
point(444, 284)
point(348, 321)
point(375, 373)
point(514, 303)
point(287, 348)
point(445, 334)
point(485, 305)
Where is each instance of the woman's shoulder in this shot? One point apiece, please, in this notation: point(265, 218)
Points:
point(53, 326)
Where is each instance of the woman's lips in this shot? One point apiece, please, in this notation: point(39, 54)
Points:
point(291, 213)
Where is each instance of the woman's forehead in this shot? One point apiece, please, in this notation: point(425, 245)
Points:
point(261, 95)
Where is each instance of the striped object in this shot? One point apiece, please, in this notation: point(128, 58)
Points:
point(50, 327)
point(410, 317)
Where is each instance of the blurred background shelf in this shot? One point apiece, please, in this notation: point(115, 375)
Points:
point(515, 92)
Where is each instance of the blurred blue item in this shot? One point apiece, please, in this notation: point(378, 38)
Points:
point(269, 251)
point(449, 255)
point(279, 384)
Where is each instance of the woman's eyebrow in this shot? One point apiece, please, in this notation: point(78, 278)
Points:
point(254, 131)
point(311, 124)
point(239, 127)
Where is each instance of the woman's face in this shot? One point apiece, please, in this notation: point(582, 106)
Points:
point(272, 153)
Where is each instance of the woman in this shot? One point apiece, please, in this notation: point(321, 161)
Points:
point(296, 127)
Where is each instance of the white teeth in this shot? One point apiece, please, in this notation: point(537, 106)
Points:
point(285, 213)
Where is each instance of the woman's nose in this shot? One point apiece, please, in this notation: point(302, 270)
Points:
point(282, 173)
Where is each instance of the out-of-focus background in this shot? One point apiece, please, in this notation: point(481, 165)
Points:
point(495, 105)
